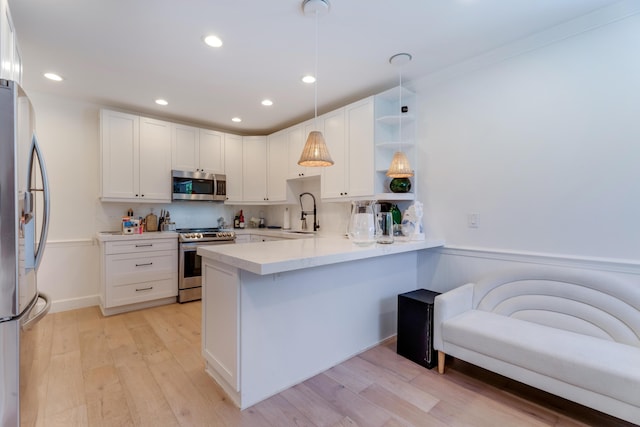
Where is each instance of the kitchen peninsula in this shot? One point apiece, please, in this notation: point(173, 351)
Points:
point(276, 313)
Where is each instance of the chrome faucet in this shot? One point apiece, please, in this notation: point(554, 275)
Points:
point(303, 213)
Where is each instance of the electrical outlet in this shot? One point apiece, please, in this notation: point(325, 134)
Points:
point(473, 220)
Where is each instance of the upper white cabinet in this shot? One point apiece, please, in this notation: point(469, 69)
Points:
point(348, 133)
point(211, 151)
point(254, 166)
point(197, 150)
point(10, 59)
point(277, 166)
point(135, 158)
point(233, 167)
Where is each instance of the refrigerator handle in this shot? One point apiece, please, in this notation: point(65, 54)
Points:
point(35, 152)
point(32, 320)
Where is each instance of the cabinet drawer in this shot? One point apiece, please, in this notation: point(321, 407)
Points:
point(123, 269)
point(142, 291)
point(137, 246)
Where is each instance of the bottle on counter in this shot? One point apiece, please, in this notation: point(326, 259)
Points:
point(241, 220)
point(236, 222)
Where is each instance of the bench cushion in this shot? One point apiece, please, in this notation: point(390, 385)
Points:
point(598, 365)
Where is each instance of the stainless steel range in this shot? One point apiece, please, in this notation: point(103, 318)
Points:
point(190, 263)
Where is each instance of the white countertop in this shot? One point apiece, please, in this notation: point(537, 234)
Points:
point(294, 254)
point(111, 236)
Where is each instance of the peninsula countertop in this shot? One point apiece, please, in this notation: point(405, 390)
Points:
point(295, 254)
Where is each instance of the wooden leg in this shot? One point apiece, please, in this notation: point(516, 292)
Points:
point(441, 357)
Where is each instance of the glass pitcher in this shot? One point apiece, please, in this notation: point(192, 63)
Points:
point(362, 229)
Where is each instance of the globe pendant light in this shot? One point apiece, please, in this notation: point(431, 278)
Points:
point(315, 152)
point(400, 167)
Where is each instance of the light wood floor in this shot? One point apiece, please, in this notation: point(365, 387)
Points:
point(144, 369)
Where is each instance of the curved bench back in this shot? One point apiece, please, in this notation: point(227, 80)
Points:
point(581, 301)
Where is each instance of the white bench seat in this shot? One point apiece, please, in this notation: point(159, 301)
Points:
point(571, 334)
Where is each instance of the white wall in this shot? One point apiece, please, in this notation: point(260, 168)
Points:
point(544, 146)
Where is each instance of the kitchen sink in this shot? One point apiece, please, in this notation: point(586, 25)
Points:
point(299, 232)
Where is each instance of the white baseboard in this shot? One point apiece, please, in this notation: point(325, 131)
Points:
point(73, 303)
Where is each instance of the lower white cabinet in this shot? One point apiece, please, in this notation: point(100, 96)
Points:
point(220, 314)
point(138, 273)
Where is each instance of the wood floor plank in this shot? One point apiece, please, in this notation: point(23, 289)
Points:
point(312, 405)
point(106, 400)
point(400, 408)
point(391, 381)
point(145, 399)
point(346, 402)
point(149, 344)
point(279, 412)
point(188, 405)
point(65, 338)
point(390, 360)
point(65, 388)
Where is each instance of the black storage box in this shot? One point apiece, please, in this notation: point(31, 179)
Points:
point(415, 327)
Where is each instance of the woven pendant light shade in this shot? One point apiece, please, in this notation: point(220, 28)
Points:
point(315, 152)
point(400, 167)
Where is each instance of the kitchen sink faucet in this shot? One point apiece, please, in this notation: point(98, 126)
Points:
point(303, 213)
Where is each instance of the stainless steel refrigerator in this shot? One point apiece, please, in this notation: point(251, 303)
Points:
point(24, 221)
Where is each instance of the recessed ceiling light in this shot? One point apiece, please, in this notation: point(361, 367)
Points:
point(309, 79)
point(53, 76)
point(236, 119)
point(213, 41)
point(161, 102)
point(267, 102)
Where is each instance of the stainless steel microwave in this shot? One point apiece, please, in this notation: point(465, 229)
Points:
point(203, 186)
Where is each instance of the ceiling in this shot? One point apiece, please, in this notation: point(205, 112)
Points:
point(126, 53)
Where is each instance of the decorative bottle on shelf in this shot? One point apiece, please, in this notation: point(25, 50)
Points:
point(241, 218)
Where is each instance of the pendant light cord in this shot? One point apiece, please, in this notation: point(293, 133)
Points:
point(400, 117)
point(315, 86)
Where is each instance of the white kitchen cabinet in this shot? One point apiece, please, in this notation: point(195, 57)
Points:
point(135, 158)
point(297, 136)
point(155, 160)
point(233, 167)
point(220, 312)
point(211, 151)
point(10, 61)
point(197, 150)
point(277, 167)
point(254, 166)
point(138, 273)
point(348, 133)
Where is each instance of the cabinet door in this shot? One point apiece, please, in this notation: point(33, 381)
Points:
point(254, 164)
point(233, 167)
point(360, 145)
point(211, 151)
point(333, 177)
point(155, 160)
point(184, 148)
point(7, 42)
point(220, 320)
point(296, 144)
point(119, 155)
point(277, 167)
